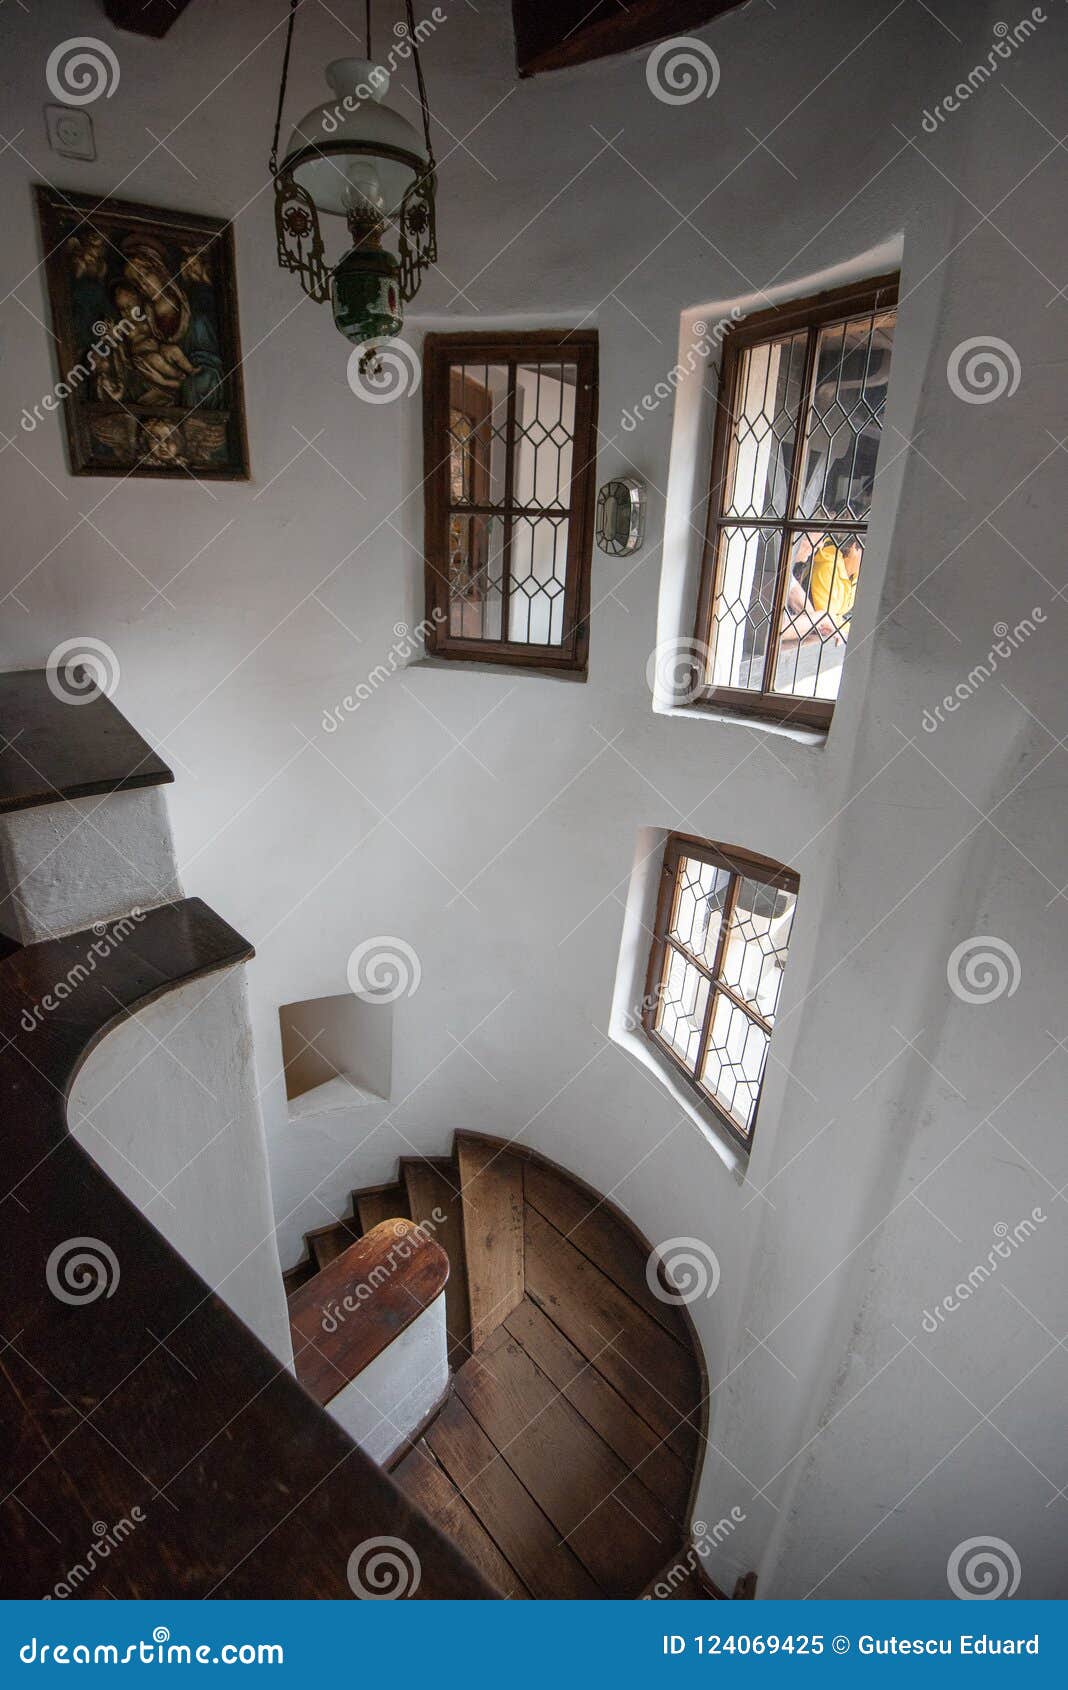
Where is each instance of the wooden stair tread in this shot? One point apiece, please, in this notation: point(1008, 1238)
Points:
point(381, 1203)
point(492, 1186)
point(547, 1567)
point(427, 1483)
point(293, 1278)
point(326, 1243)
point(656, 1375)
point(640, 1448)
point(607, 1242)
point(434, 1191)
point(614, 1525)
point(51, 750)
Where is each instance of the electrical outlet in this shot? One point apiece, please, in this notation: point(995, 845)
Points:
point(70, 133)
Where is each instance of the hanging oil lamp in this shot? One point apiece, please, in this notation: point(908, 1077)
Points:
point(355, 157)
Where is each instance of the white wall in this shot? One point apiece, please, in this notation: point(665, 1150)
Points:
point(165, 1107)
point(396, 1392)
point(579, 197)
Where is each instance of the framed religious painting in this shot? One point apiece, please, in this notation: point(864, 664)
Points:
point(148, 354)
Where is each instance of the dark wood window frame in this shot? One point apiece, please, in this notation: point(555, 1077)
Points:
point(441, 353)
point(811, 314)
point(742, 865)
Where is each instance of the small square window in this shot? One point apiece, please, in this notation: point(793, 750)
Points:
point(722, 934)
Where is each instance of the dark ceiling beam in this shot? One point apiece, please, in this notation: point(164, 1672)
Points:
point(571, 32)
point(145, 17)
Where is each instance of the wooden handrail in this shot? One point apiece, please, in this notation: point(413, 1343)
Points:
point(351, 1311)
point(150, 1395)
point(50, 752)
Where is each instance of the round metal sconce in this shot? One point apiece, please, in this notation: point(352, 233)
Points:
point(621, 516)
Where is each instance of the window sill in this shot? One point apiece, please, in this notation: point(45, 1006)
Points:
point(741, 719)
point(472, 666)
point(707, 1122)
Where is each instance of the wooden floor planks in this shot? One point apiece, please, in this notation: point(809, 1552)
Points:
point(643, 1450)
point(603, 1238)
point(492, 1184)
point(614, 1525)
point(521, 1531)
point(656, 1375)
point(422, 1478)
point(434, 1197)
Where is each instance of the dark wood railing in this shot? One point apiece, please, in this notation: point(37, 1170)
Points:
point(355, 1307)
point(137, 1389)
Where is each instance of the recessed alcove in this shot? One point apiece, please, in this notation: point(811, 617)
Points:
point(337, 1053)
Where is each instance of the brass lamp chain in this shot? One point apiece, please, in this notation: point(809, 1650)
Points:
point(424, 104)
point(293, 4)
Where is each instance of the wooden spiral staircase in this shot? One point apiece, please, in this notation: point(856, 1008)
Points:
point(563, 1461)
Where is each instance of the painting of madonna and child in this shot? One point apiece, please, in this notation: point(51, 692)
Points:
point(144, 310)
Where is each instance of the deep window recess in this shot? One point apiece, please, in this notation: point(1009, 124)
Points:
point(723, 925)
point(510, 442)
point(798, 424)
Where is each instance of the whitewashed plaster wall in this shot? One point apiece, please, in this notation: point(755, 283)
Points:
point(164, 1104)
point(580, 198)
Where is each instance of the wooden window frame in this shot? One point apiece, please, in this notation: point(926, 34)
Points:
point(741, 865)
point(440, 353)
point(811, 314)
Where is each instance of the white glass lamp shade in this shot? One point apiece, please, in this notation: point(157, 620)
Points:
point(356, 115)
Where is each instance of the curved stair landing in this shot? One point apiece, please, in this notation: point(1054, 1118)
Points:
point(564, 1459)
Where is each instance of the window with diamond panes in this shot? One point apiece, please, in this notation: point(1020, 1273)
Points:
point(510, 424)
point(798, 425)
point(722, 933)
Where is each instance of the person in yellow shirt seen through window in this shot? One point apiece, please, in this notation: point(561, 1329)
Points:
point(817, 613)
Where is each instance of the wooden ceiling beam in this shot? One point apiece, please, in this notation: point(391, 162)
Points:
point(145, 17)
point(572, 32)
